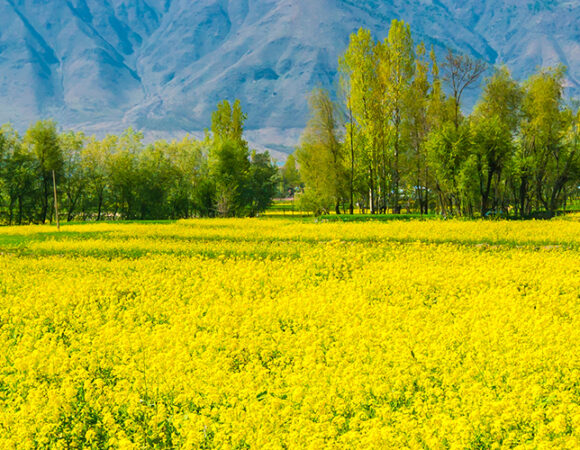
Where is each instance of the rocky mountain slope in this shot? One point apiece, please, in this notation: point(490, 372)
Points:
point(162, 65)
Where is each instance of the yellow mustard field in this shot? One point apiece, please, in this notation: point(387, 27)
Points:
point(272, 334)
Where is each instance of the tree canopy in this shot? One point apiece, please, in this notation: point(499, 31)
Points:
point(122, 177)
point(399, 138)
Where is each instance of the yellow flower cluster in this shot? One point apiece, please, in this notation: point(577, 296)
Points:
point(280, 334)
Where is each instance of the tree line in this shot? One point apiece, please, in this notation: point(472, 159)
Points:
point(398, 137)
point(120, 177)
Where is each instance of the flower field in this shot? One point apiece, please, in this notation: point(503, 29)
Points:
point(249, 333)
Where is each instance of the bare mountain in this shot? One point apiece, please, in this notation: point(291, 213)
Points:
point(162, 65)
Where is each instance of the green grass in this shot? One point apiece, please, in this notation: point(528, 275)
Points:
point(376, 217)
point(284, 205)
point(573, 205)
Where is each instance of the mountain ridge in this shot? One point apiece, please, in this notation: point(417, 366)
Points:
point(162, 65)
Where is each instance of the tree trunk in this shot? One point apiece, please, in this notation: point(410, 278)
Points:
point(72, 201)
point(45, 193)
point(70, 211)
point(426, 188)
point(11, 211)
point(485, 194)
point(100, 206)
point(351, 206)
point(19, 210)
point(372, 191)
point(523, 194)
point(396, 175)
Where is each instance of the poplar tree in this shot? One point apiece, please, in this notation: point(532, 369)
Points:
point(416, 106)
point(229, 159)
point(398, 69)
point(359, 69)
point(346, 72)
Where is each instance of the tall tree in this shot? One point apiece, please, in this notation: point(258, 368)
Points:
point(189, 160)
point(9, 144)
point(42, 141)
point(229, 169)
point(449, 152)
point(73, 180)
point(359, 68)
point(95, 159)
point(346, 72)
point(320, 156)
point(437, 115)
point(496, 120)
point(19, 177)
point(23, 186)
point(398, 69)
point(156, 176)
point(416, 106)
point(263, 181)
point(123, 168)
point(229, 160)
point(545, 125)
point(227, 123)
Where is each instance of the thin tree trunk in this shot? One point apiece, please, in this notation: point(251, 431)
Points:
point(100, 205)
point(351, 206)
point(19, 210)
point(55, 201)
point(485, 195)
point(396, 178)
point(426, 188)
point(11, 211)
point(372, 191)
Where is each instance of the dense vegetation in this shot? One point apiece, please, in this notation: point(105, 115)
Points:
point(119, 177)
point(399, 139)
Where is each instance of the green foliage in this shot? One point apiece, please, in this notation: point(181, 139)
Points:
point(408, 144)
point(121, 178)
point(552, 160)
point(264, 178)
point(23, 186)
point(73, 180)
point(290, 176)
point(399, 141)
point(227, 123)
point(450, 159)
point(41, 142)
point(321, 157)
point(229, 170)
point(376, 217)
